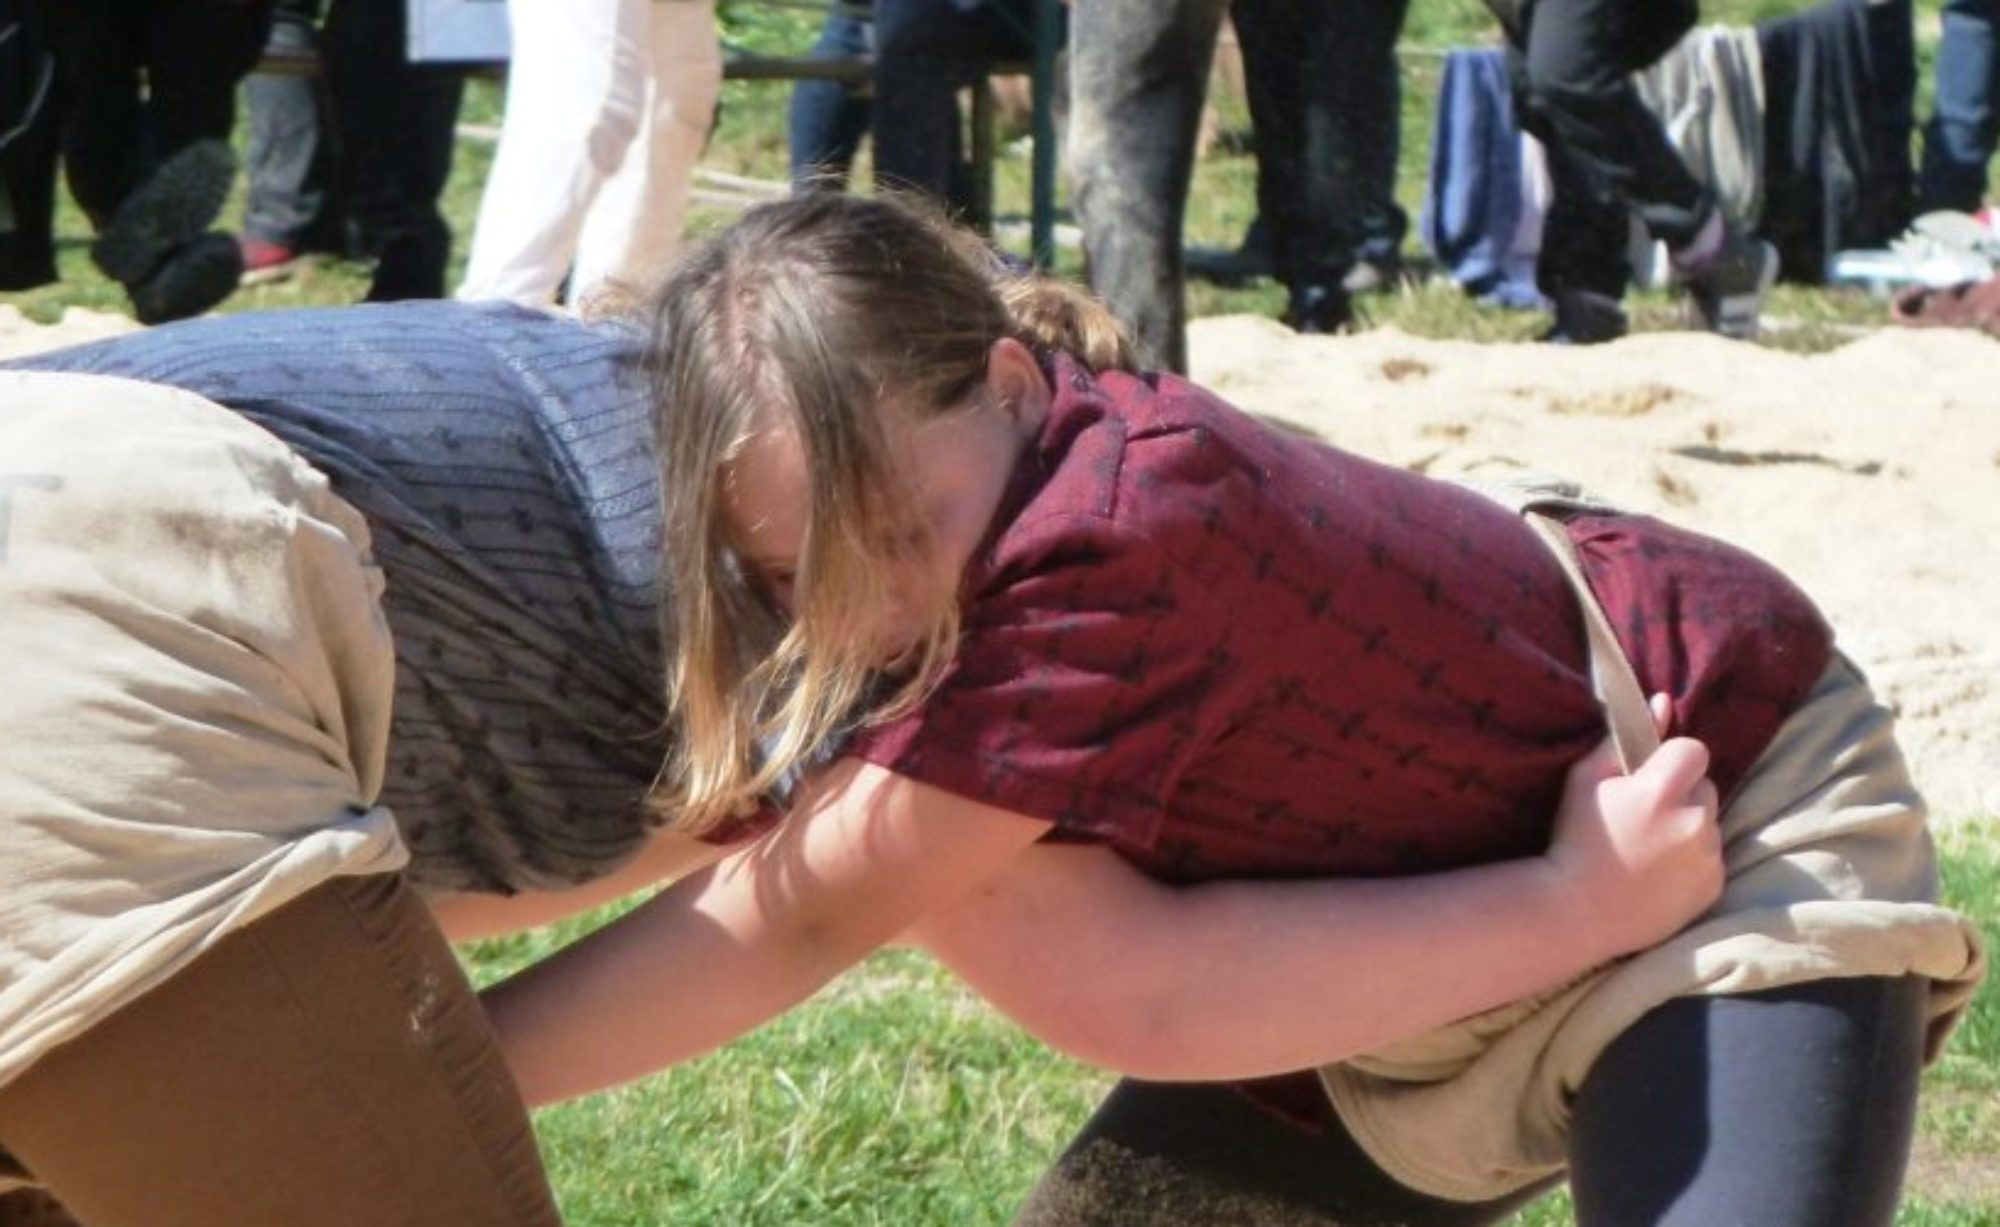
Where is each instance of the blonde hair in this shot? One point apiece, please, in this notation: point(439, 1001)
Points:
point(814, 314)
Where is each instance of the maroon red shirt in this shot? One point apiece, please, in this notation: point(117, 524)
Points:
point(1224, 650)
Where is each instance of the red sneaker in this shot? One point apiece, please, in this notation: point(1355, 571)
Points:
point(265, 262)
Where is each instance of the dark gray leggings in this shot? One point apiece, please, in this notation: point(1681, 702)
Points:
point(1790, 1108)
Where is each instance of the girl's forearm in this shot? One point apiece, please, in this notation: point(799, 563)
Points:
point(1240, 979)
point(666, 982)
point(738, 943)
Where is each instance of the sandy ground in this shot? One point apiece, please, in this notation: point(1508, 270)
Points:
point(1871, 474)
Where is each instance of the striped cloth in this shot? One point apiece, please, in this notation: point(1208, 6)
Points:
point(504, 461)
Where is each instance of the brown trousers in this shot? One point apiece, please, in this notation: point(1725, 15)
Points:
point(326, 1065)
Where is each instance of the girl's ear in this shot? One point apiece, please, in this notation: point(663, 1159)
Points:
point(1014, 377)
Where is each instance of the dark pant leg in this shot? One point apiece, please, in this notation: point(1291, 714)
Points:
point(1790, 1108)
point(1372, 119)
point(1965, 110)
point(1324, 97)
point(197, 52)
point(1138, 77)
point(325, 1066)
point(1204, 1155)
point(99, 57)
point(1608, 155)
point(828, 118)
point(28, 159)
point(394, 124)
point(925, 52)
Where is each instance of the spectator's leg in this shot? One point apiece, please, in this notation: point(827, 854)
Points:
point(99, 54)
point(634, 228)
point(829, 118)
point(28, 161)
point(284, 153)
point(1965, 110)
point(197, 53)
point(1138, 76)
point(925, 52)
point(395, 122)
point(576, 95)
point(1372, 122)
point(1607, 153)
point(1316, 76)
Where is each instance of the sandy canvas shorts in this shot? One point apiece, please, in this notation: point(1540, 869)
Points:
point(197, 681)
point(1830, 873)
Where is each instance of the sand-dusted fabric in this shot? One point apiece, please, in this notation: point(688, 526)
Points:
point(198, 681)
point(1831, 873)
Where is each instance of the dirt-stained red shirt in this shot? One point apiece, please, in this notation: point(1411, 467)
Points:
point(1225, 650)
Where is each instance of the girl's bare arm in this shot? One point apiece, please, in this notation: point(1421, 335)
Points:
point(1239, 979)
point(865, 854)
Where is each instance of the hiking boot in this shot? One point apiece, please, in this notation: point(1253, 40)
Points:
point(175, 204)
point(1319, 310)
point(1585, 317)
point(193, 278)
point(1726, 292)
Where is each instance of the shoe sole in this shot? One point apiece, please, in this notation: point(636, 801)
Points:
point(176, 204)
point(189, 282)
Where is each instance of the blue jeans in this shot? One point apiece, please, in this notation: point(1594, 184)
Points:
point(925, 52)
point(829, 118)
point(1965, 111)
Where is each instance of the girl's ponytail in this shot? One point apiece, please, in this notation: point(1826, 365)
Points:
point(1055, 315)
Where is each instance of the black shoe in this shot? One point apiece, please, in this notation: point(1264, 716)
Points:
point(1726, 294)
point(1584, 317)
point(1319, 310)
point(175, 204)
point(193, 278)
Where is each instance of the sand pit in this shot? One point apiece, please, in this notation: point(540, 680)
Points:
point(1871, 474)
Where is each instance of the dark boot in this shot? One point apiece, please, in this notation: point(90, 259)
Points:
point(1319, 310)
point(1584, 317)
point(176, 204)
point(194, 277)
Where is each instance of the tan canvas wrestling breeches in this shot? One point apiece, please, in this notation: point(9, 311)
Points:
point(1830, 873)
point(198, 684)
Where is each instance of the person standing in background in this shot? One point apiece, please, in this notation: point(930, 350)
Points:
point(396, 121)
point(1322, 86)
point(28, 137)
point(828, 118)
point(608, 105)
point(149, 96)
point(292, 206)
point(1965, 110)
point(1571, 64)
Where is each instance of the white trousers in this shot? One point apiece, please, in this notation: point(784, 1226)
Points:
point(608, 104)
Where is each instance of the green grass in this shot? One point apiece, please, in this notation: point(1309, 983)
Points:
point(894, 1097)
